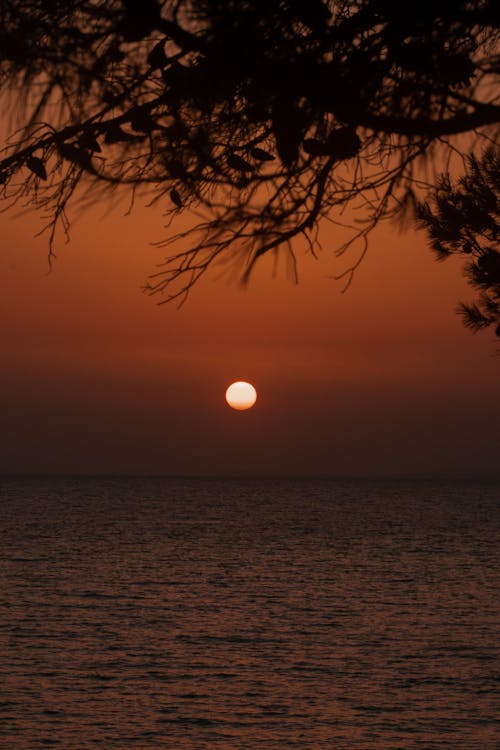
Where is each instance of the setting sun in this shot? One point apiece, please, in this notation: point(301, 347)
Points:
point(241, 395)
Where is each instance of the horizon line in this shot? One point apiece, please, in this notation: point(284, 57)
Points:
point(424, 477)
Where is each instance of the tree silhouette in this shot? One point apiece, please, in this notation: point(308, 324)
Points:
point(463, 219)
point(259, 118)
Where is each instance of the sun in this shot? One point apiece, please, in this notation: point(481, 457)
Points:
point(241, 395)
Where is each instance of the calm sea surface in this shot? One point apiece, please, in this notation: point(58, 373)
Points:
point(232, 614)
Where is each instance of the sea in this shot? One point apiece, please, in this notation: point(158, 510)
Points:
point(238, 614)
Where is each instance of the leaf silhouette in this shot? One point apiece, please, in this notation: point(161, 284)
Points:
point(141, 121)
point(79, 156)
point(87, 140)
point(157, 58)
point(288, 123)
point(176, 169)
point(260, 155)
point(176, 198)
point(37, 167)
point(238, 163)
point(315, 148)
point(343, 143)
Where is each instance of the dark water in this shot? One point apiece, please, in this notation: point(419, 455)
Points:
point(141, 614)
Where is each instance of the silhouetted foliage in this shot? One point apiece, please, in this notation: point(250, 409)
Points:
point(464, 219)
point(260, 118)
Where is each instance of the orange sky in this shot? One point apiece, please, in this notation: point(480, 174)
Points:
point(382, 380)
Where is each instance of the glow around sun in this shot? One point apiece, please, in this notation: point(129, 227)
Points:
point(241, 395)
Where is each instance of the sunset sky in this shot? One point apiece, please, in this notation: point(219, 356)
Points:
point(383, 380)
